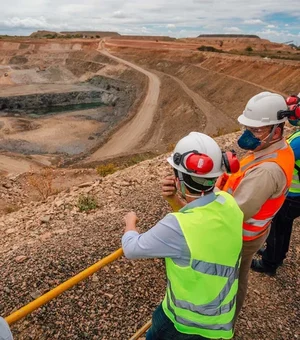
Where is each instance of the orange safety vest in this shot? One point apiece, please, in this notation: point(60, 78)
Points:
point(259, 223)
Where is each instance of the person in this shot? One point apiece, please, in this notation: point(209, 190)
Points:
point(278, 241)
point(5, 333)
point(261, 184)
point(201, 244)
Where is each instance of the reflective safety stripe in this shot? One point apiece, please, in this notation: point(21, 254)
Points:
point(253, 233)
point(218, 327)
point(285, 193)
point(259, 223)
point(295, 185)
point(221, 199)
point(205, 309)
point(256, 160)
point(212, 268)
point(212, 308)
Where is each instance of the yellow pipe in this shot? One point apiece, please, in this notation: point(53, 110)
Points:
point(141, 331)
point(22, 312)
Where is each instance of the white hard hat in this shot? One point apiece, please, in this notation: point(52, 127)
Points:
point(197, 155)
point(261, 110)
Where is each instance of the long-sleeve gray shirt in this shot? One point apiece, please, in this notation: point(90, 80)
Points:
point(5, 333)
point(165, 239)
point(260, 183)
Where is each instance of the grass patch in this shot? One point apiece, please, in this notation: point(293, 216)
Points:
point(86, 203)
point(106, 169)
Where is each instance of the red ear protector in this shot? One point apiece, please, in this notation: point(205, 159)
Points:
point(194, 162)
point(293, 112)
point(230, 161)
point(293, 99)
point(201, 164)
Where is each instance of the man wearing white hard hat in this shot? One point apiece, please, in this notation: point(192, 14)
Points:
point(201, 245)
point(261, 184)
point(278, 241)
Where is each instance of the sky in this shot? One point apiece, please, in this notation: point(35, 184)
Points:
point(276, 20)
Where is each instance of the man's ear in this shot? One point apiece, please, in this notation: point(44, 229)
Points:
point(277, 133)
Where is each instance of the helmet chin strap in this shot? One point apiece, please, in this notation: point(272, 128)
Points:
point(267, 140)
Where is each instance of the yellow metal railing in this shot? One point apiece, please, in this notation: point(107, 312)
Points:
point(141, 331)
point(42, 300)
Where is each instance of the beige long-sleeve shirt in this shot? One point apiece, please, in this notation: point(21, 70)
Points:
point(260, 183)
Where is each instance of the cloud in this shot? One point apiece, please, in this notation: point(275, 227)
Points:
point(253, 22)
point(28, 23)
point(119, 15)
point(183, 18)
point(232, 29)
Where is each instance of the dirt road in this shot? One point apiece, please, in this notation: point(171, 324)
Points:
point(216, 120)
point(128, 136)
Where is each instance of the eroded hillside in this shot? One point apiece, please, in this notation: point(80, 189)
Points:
point(45, 243)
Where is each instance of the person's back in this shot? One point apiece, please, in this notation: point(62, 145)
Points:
point(201, 245)
point(261, 185)
point(212, 288)
point(279, 238)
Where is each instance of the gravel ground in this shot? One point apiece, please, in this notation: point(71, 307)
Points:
point(44, 244)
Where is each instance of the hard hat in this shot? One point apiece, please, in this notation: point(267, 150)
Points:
point(261, 110)
point(197, 155)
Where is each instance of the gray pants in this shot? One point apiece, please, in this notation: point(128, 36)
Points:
point(249, 249)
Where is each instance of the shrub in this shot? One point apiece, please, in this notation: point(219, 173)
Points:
point(249, 49)
point(86, 203)
point(106, 169)
point(42, 182)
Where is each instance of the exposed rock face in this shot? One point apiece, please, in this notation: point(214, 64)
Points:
point(43, 100)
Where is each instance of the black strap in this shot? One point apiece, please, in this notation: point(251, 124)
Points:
point(298, 169)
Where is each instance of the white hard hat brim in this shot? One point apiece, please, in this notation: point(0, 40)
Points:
point(255, 123)
point(170, 161)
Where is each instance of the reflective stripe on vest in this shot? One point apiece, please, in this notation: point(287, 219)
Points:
point(223, 327)
point(214, 307)
point(259, 159)
point(200, 297)
point(295, 185)
point(259, 223)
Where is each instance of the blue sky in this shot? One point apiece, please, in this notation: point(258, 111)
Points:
point(275, 20)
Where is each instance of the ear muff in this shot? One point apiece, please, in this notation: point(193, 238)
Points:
point(230, 161)
point(194, 162)
point(292, 100)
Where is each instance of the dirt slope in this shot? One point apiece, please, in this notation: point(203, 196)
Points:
point(45, 243)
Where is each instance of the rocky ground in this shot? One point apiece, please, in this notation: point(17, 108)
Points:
point(45, 243)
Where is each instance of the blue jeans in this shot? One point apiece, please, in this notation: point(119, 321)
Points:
point(163, 329)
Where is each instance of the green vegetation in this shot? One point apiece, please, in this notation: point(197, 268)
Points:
point(86, 202)
point(249, 49)
point(106, 169)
